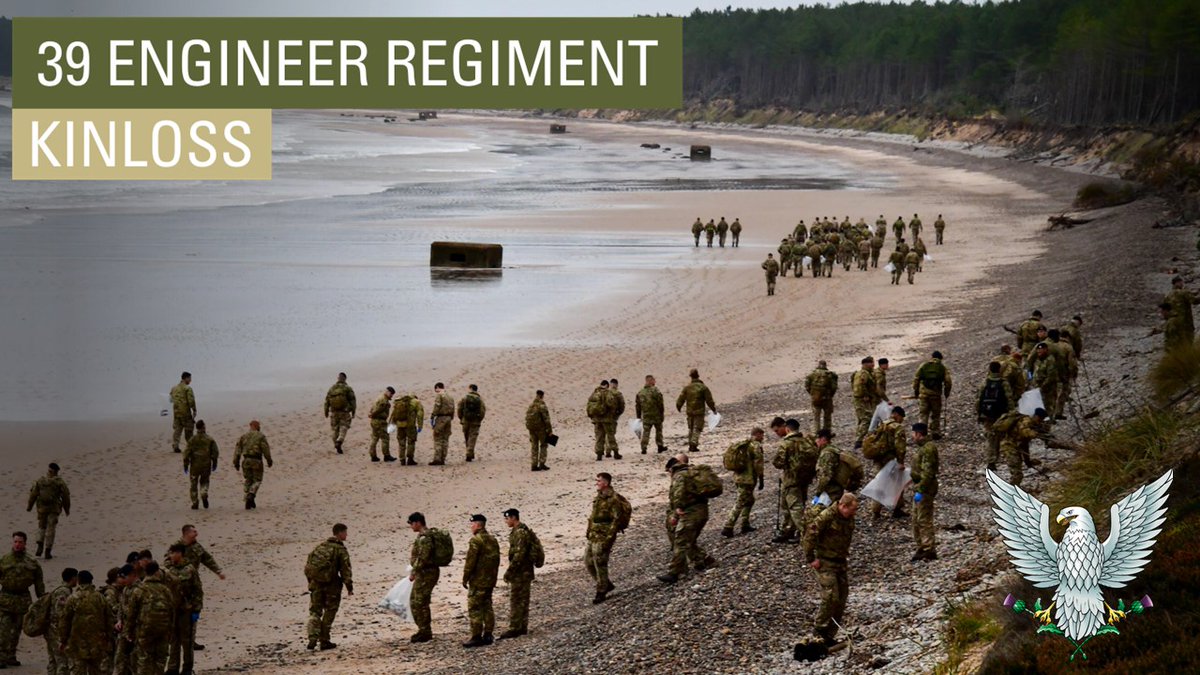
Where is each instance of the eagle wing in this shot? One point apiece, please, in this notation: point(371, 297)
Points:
point(1136, 522)
point(1024, 523)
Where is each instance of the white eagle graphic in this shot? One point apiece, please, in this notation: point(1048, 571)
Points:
point(1080, 564)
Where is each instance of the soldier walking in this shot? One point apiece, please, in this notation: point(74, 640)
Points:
point(523, 549)
point(750, 475)
point(150, 621)
point(85, 629)
point(196, 555)
point(710, 229)
point(183, 404)
point(797, 459)
point(379, 421)
point(425, 575)
point(441, 416)
point(771, 267)
point(931, 385)
point(327, 570)
point(825, 549)
point(18, 571)
point(697, 228)
point(996, 399)
point(691, 515)
point(183, 578)
point(722, 229)
point(340, 406)
point(696, 395)
point(735, 229)
point(925, 488)
point(51, 497)
point(409, 417)
point(602, 410)
point(939, 229)
point(252, 449)
point(821, 385)
point(650, 409)
point(479, 578)
point(865, 389)
point(892, 445)
point(603, 526)
point(537, 422)
point(471, 412)
point(199, 461)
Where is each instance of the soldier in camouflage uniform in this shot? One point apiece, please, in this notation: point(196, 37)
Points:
point(519, 575)
point(123, 661)
point(722, 229)
point(891, 437)
point(479, 578)
point(471, 412)
point(829, 253)
point(989, 409)
point(183, 578)
point(199, 461)
point(183, 405)
point(797, 459)
point(848, 252)
point(865, 390)
point(424, 576)
point(800, 232)
point(821, 385)
point(409, 417)
point(691, 515)
point(814, 258)
point(1068, 368)
point(881, 226)
point(1027, 334)
point(925, 488)
point(1046, 376)
point(931, 385)
point(826, 547)
point(85, 628)
point(771, 268)
point(735, 230)
point(696, 395)
point(602, 410)
point(18, 571)
point(111, 593)
point(828, 480)
point(745, 480)
point(920, 249)
point(379, 421)
point(939, 228)
point(912, 265)
point(881, 380)
point(51, 497)
point(1017, 431)
point(537, 422)
point(57, 664)
point(898, 228)
point(441, 415)
point(876, 243)
point(196, 555)
point(602, 534)
point(896, 260)
point(252, 449)
point(864, 253)
point(697, 228)
point(914, 226)
point(618, 409)
point(1072, 330)
point(340, 406)
point(650, 409)
point(325, 596)
point(710, 229)
point(150, 621)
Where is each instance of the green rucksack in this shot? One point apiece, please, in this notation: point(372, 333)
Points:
point(402, 408)
point(849, 472)
point(875, 443)
point(338, 401)
point(443, 546)
point(37, 617)
point(737, 456)
point(472, 407)
point(597, 404)
point(536, 552)
point(320, 567)
point(708, 483)
point(624, 512)
point(932, 374)
point(1006, 422)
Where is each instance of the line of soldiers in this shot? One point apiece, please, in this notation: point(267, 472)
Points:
point(718, 230)
point(142, 621)
point(828, 243)
point(606, 405)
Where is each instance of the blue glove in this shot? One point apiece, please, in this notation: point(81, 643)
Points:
point(917, 497)
point(816, 500)
point(185, 471)
point(195, 617)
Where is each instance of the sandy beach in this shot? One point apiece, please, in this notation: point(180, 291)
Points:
point(598, 284)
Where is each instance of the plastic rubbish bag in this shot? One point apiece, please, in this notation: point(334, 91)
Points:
point(397, 599)
point(391, 429)
point(711, 420)
point(887, 485)
point(823, 499)
point(883, 412)
point(928, 258)
point(822, 261)
point(890, 267)
point(635, 425)
point(807, 262)
point(1030, 401)
point(165, 401)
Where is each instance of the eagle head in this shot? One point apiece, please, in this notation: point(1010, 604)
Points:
point(1077, 517)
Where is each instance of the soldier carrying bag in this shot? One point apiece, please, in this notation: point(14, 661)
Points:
point(849, 472)
point(624, 512)
point(737, 456)
point(993, 403)
point(708, 483)
point(471, 407)
point(443, 547)
point(320, 568)
point(537, 553)
point(931, 375)
point(875, 443)
point(37, 617)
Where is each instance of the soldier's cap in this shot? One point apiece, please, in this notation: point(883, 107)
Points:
point(1041, 345)
point(825, 433)
point(937, 355)
point(125, 570)
point(1177, 280)
point(821, 363)
point(53, 466)
point(479, 518)
point(921, 428)
point(1037, 313)
point(511, 513)
point(671, 463)
point(85, 577)
point(131, 558)
point(1077, 318)
point(899, 411)
point(868, 359)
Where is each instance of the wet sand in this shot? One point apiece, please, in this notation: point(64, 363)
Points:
point(692, 307)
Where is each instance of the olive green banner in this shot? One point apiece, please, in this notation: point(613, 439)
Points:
point(239, 63)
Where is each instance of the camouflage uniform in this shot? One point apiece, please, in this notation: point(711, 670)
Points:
point(1074, 336)
point(939, 228)
point(735, 229)
point(848, 252)
point(601, 534)
point(722, 229)
point(864, 254)
point(650, 409)
point(827, 480)
point(56, 662)
point(797, 458)
point(829, 253)
point(993, 438)
point(895, 446)
point(51, 497)
point(898, 228)
point(470, 419)
point(150, 623)
point(696, 395)
point(183, 404)
point(409, 417)
point(1068, 369)
point(425, 577)
point(697, 228)
point(931, 384)
point(912, 264)
point(183, 577)
point(771, 268)
point(340, 406)
point(18, 571)
point(199, 461)
point(914, 226)
point(112, 599)
point(1175, 333)
point(800, 232)
point(1014, 443)
point(881, 385)
point(865, 389)
point(881, 227)
point(379, 416)
point(196, 555)
point(85, 626)
point(252, 449)
point(925, 482)
point(920, 250)
point(123, 657)
point(785, 255)
point(479, 578)
point(828, 540)
point(896, 260)
point(324, 599)
point(814, 259)
point(821, 385)
point(519, 576)
point(745, 480)
point(1046, 377)
point(1027, 337)
point(442, 415)
point(710, 229)
point(689, 525)
point(537, 422)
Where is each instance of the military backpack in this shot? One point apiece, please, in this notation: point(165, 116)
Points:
point(402, 408)
point(849, 472)
point(320, 566)
point(823, 382)
point(443, 546)
point(472, 408)
point(537, 553)
point(597, 404)
point(993, 402)
point(37, 617)
point(624, 511)
point(932, 374)
point(875, 443)
point(708, 483)
point(1006, 422)
point(737, 456)
point(338, 401)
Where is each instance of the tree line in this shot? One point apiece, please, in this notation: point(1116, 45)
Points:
point(1073, 62)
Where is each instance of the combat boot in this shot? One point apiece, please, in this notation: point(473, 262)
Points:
point(693, 448)
point(421, 637)
point(706, 564)
point(327, 645)
point(512, 633)
point(337, 445)
point(781, 539)
point(748, 528)
point(388, 458)
point(171, 672)
point(253, 505)
point(195, 506)
point(617, 455)
point(39, 549)
point(488, 639)
point(662, 448)
point(312, 644)
point(534, 468)
point(543, 467)
point(204, 500)
point(48, 555)
point(247, 503)
point(668, 578)
point(601, 596)
point(476, 641)
point(726, 532)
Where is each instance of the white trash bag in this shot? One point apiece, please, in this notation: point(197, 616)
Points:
point(928, 258)
point(807, 262)
point(635, 425)
point(823, 500)
point(711, 420)
point(397, 599)
point(822, 260)
point(883, 412)
point(1030, 401)
point(890, 267)
point(391, 429)
point(887, 485)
